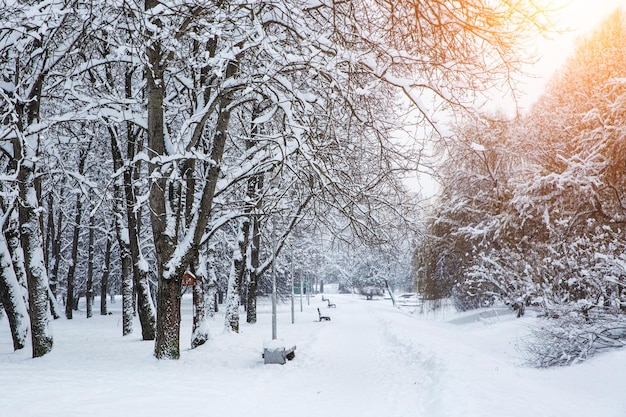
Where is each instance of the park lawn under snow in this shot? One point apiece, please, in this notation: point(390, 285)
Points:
point(371, 359)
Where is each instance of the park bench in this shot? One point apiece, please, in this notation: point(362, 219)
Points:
point(333, 305)
point(324, 299)
point(322, 318)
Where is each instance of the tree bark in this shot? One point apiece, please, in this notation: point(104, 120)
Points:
point(251, 315)
point(200, 330)
point(121, 233)
point(71, 302)
point(167, 344)
point(32, 245)
point(49, 232)
point(236, 276)
point(11, 298)
point(145, 307)
point(104, 281)
point(134, 272)
point(71, 271)
point(127, 292)
point(255, 184)
point(211, 284)
point(52, 250)
point(56, 252)
point(126, 263)
point(12, 235)
point(89, 292)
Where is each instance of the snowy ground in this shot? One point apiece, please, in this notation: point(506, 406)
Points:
point(371, 359)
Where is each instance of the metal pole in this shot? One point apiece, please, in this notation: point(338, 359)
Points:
point(301, 290)
point(293, 315)
point(274, 281)
point(308, 290)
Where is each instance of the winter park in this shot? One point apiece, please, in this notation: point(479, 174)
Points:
point(312, 208)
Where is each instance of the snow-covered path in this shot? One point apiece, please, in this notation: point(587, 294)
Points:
point(371, 359)
point(354, 362)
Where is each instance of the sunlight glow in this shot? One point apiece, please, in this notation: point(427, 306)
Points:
point(574, 19)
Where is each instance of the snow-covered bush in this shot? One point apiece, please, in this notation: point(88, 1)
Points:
point(573, 339)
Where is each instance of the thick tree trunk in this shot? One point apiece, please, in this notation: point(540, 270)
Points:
point(231, 317)
point(167, 344)
point(253, 280)
point(126, 262)
point(25, 153)
point(16, 254)
point(121, 233)
point(12, 235)
point(127, 293)
point(131, 267)
point(251, 300)
point(236, 277)
point(11, 298)
point(145, 307)
point(200, 329)
point(126, 265)
point(32, 245)
point(253, 192)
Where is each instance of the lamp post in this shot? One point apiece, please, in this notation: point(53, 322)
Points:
point(293, 315)
point(301, 290)
point(308, 290)
point(274, 281)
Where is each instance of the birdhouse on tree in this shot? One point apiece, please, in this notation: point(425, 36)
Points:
point(188, 279)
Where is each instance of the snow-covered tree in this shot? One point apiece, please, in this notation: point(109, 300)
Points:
point(575, 188)
point(36, 40)
point(472, 215)
point(538, 218)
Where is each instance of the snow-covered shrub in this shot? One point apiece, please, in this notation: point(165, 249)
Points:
point(572, 339)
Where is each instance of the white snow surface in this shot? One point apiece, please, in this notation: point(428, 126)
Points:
point(371, 359)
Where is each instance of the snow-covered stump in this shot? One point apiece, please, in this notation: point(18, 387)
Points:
point(275, 352)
